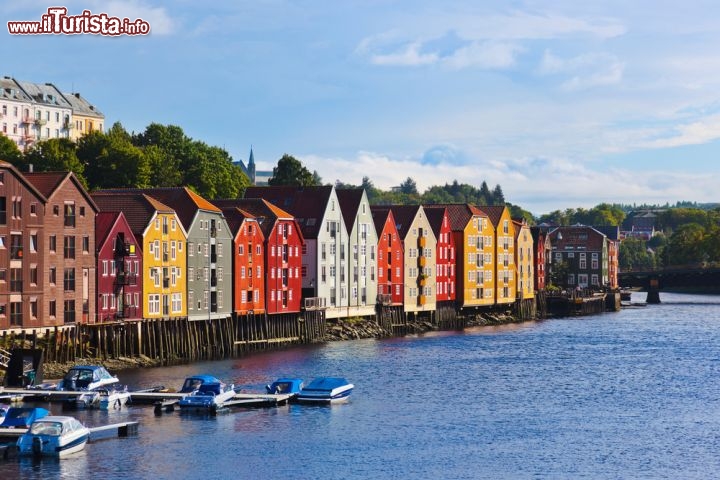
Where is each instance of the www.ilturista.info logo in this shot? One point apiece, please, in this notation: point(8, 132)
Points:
point(58, 22)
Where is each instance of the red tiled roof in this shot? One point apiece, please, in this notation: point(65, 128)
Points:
point(264, 212)
point(494, 212)
point(49, 182)
point(302, 202)
point(46, 182)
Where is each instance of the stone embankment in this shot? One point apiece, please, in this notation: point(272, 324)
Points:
point(343, 329)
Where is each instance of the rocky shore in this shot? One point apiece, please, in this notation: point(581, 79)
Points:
point(340, 330)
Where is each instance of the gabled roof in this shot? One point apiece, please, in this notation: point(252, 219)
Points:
point(235, 217)
point(138, 208)
point(49, 182)
point(184, 201)
point(11, 90)
point(517, 224)
point(459, 214)
point(435, 217)
point(264, 212)
point(46, 94)
point(104, 222)
point(576, 235)
point(403, 215)
point(494, 212)
point(22, 179)
point(379, 216)
point(349, 199)
point(306, 204)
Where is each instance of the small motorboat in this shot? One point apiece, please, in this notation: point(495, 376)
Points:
point(22, 417)
point(55, 436)
point(86, 377)
point(87, 380)
point(326, 390)
point(209, 396)
point(103, 398)
point(285, 386)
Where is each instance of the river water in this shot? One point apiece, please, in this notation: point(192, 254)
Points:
point(632, 394)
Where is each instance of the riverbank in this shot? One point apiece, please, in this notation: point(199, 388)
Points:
point(340, 330)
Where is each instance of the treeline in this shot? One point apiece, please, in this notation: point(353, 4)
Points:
point(684, 236)
point(161, 156)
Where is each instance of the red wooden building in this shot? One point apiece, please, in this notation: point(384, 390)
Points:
point(390, 257)
point(283, 259)
point(445, 253)
point(248, 261)
point(119, 269)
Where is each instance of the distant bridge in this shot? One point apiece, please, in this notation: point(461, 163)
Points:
point(655, 280)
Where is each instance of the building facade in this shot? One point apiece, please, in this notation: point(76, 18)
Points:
point(391, 285)
point(119, 269)
point(362, 246)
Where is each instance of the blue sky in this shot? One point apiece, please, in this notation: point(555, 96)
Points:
point(563, 103)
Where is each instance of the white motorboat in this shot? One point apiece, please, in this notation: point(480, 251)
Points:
point(103, 398)
point(326, 390)
point(54, 436)
point(209, 396)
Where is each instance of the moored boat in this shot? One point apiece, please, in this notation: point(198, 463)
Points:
point(326, 390)
point(209, 396)
point(285, 386)
point(22, 417)
point(55, 436)
point(86, 377)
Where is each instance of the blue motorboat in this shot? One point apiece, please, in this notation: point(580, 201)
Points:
point(285, 386)
point(194, 382)
point(209, 396)
point(22, 417)
point(326, 390)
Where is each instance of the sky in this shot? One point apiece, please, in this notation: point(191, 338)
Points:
point(564, 104)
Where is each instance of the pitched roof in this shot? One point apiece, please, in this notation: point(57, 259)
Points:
point(403, 215)
point(494, 212)
point(104, 222)
point(80, 106)
point(349, 199)
point(49, 182)
point(264, 212)
point(46, 182)
point(22, 179)
point(435, 217)
point(458, 213)
point(138, 208)
point(379, 216)
point(235, 217)
point(184, 201)
point(307, 204)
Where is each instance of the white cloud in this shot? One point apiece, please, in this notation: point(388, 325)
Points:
point(409, 56)
point(704, 130)
point(536, 184)
point(585, 71)
point(484, 55)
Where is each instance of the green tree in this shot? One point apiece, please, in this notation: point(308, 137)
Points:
point(290, 171)
point(55, 155)
point(113, 161)
point(409, 187)
point(9, 151)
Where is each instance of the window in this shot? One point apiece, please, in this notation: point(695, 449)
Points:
point(16, 319)
point(33, 275)
point(85, 244)
point(69, 312)
point(69, 213)
point(69, 280)
point(3, 210)
point(69, 247)
point(52, 308)
point(52, 276)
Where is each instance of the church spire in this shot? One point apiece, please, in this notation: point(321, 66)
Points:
point(251, 166)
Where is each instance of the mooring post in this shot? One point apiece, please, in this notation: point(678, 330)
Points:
point(653, 291)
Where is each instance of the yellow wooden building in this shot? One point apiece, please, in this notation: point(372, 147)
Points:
point(524, 261)
point(504, 274)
